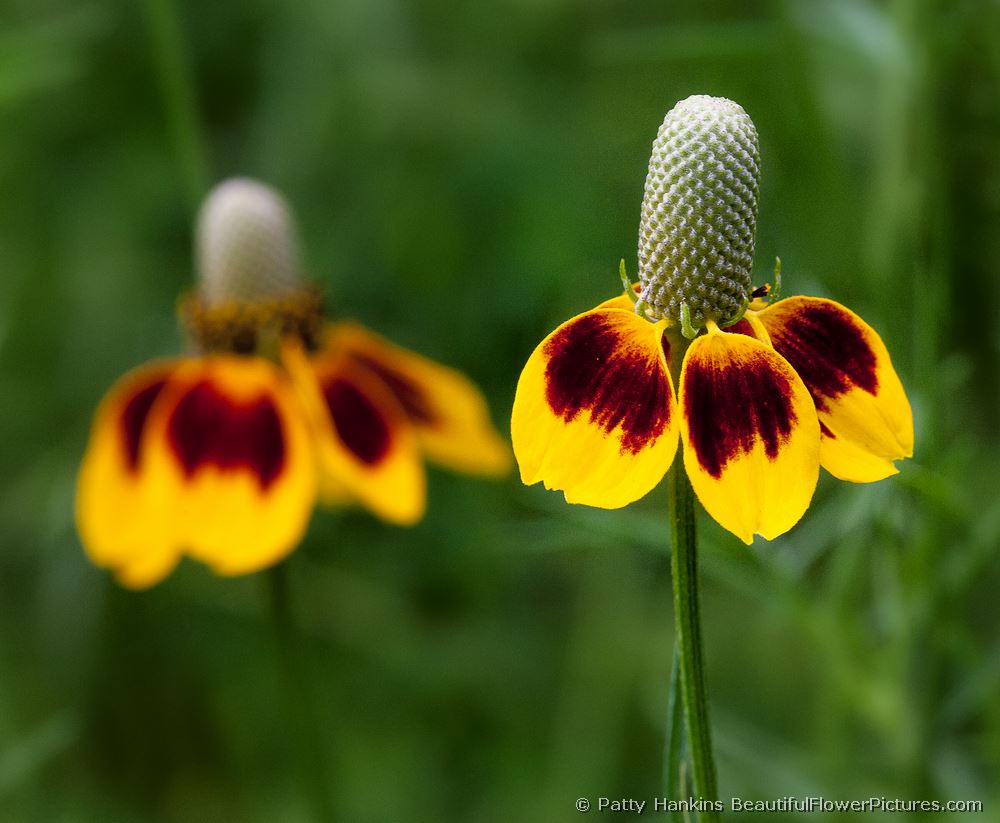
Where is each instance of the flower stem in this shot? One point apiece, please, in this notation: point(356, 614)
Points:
point(295, 695)
point(684, 565)
point(179, 97)
point(674, 762)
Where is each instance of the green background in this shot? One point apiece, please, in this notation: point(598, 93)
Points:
point(467, 176)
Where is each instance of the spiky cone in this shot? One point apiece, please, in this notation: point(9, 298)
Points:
point(699, 214)
point(247, 248)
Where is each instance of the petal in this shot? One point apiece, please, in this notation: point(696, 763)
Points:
point(751, 438)
point(122, 509)
point(447, 411)
point(622, 301)
point(867, 422)
point(148, 570)
point(750, 326)
point(367, 448)
point(233, 444)
point(594, 413)
point(846, 459)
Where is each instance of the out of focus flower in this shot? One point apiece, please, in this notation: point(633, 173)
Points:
point(221, 454)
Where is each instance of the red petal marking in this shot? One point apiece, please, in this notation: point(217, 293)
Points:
point(742, 326)
point(207, 428)
point(410, 396)
point(357, 420)
point(728, 408)
point(827, 349)
point(133, 419)
point(589, 369)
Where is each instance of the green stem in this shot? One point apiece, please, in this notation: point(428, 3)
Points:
point(180, 100)
point(674, 762)
point(684, 564)
point(295, 695)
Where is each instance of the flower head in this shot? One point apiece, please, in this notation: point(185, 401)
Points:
point(788, 386)
point(222, 454)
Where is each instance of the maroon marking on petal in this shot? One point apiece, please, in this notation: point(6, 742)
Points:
point(207, 428)
point(589, 369)
point(825, 431)
point(410, 396)
point(728, 408)
point(361, 426)
point(828, 351)
point(742, 326)
point(133, 419)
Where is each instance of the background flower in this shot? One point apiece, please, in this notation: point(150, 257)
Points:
point(219, 454)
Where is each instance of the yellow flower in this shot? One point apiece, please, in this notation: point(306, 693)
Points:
point(221, 455)
point(792, 385)
point(802, 383)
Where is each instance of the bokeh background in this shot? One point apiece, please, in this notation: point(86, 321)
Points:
point(467, 175)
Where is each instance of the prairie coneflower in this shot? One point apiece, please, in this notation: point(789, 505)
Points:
point(766, 392)
point(221, 454)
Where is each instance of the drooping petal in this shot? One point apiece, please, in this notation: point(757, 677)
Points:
point(148, 570)
point(122, 508)
point(367, 448)
point(594, 413)
point(751, 438)
point(232, 444)
point(750, 326)
point(446, 410)
point(865, 415)
point(622, 301)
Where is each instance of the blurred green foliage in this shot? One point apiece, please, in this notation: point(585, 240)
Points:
point(467, 176)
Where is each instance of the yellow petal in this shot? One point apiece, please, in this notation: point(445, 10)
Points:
point(750, 326)
point(447, 412)
point(594, 413)
point(750, 433)
point(148, 570)
point(847, 460)
point(123, 509)
point(367, 448)
point(622, 301)
point(865, 415)
point(232, 441)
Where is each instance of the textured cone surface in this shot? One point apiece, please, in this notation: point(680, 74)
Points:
point(699, 211)
point(247, 247)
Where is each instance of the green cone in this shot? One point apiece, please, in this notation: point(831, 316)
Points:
point(699, 212)
point(247, 247)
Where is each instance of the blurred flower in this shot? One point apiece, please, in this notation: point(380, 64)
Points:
point(792, 385)
point(220, 455)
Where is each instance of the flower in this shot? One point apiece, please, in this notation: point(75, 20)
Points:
point(788, 386)
point(222, 454)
